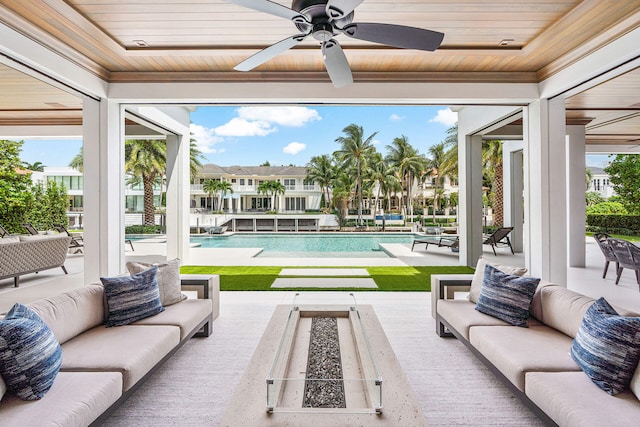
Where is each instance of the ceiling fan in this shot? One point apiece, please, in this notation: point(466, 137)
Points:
point(324, 19)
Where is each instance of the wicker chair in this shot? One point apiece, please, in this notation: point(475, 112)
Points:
point(628, 256)
point(607, 251)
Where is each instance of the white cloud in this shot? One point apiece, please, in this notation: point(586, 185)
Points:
point(396, 118)
point(445, 117)
point(242, 127)
point(284, 116)
point(375, 142)
point(294, 148)
point(205, 138)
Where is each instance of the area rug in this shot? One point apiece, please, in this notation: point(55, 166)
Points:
point(248, 404)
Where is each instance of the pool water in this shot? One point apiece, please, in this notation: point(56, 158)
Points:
point(307, 244)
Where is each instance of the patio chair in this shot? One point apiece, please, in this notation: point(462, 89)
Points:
point(76, 242)
point(607, 251)
point(30, 228)
point(3, 232)
point(628, 256)
point(499, 239)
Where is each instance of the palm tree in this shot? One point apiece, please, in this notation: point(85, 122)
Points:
point(77, 161)
point(408, 163)
point(264, 188)
point(437, 154)
point(355, 151)
point(211, 186)
point(225, 187)
point(35, 167)
point(146, 158)
point(588, 178)
point(492, 160)
point(321, 171)
point(277, 188)
point(195, 157)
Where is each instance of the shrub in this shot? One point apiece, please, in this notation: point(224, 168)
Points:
point(607, 208)
point(628, 225)
point(143, 229)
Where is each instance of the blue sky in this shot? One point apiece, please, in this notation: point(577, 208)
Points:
point(283, 135)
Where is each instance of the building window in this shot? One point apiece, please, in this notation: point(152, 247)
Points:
point(289, 184)
point(241, 181)
point(295, 203)
point(250, 181)
point(233, 180)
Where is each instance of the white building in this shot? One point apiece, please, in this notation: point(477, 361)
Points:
point(600, 182)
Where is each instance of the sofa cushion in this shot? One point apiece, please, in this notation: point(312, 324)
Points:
point(30, 355)
point(9, 239)
point(478, 276)
point(168, 279)
point(563, 309)
point(3, 387)
point(187, 315)
point(70, 313)
point(516, 351)
point(75, 400)
point(131, 350)
point(131, 298)
point(506, 297)
point(607, 347)
point(572, 400)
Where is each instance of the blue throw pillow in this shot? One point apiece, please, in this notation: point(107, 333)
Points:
point(131, 298)
point(607, 347)
point(506, 297)
point(30, 355)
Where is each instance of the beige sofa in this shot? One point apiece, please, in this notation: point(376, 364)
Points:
point(535, 362)
point(29, 254)
point(101, 367)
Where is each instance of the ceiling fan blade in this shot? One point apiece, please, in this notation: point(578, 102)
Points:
point(395, 35)
point(270, 7)
point(266, 54)
point(336, 63)
point(338, 9)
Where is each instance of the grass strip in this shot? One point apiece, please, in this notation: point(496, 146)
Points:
point(394, 279)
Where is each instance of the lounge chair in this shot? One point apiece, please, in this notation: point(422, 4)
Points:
point(628, 256)
point(607, 251)
point(30, 228)
point(452, 242)
point(499, 239)
point(76, 243)
point(3, 232)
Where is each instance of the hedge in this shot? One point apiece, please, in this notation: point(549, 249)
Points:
point(628, 225)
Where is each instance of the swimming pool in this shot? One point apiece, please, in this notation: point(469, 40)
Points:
point(289, 245)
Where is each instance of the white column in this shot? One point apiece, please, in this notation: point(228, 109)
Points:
point(103, 152)
point(545, 190)
point(512, 163)
point(470, 197)
point(576, 188)
point(178, 228)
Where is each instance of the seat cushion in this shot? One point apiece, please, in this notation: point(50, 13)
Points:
point(131, 350)
point(131, 298)
point(30, 355)
point(607, 347)
point(572, 400)
point(75, 400)
point(516, 351)
point(187, 315)
point(462, 314)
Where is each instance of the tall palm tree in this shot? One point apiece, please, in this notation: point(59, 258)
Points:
point(588, 178)
point(355, 150)
point(211, 186)
point(450, 163)
point(146, 158)
point(437, 159)
point(492, 160)
point(321, 171)
point(408, 163)
point(277, 188)
point(382, 174)
point(225, 187)
point(77, 161)
point(195, 160)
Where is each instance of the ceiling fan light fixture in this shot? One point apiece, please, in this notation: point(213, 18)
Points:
point(140, 43)
point(505, 42)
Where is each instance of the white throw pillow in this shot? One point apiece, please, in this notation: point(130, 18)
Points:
point(168, 279)
point(478, 276)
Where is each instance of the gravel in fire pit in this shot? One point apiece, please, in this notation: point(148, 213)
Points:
point(324, 364)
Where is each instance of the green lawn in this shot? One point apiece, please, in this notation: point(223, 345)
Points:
point(387, 278)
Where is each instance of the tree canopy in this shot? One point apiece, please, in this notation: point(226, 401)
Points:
point(624, 175)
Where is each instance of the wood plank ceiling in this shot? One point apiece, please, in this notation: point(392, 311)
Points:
point(202, 40)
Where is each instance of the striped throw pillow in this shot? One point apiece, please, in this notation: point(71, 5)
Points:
point(30, 355)
point(506, 297)
point(131, 298)
point(607, 347)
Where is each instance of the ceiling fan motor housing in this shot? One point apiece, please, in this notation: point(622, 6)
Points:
point(316, 12)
